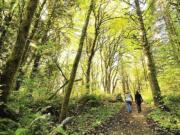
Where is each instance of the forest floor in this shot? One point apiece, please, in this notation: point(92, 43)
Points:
point(125, 123)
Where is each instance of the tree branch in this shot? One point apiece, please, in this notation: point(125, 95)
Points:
point(55, 61)
point(62, 86)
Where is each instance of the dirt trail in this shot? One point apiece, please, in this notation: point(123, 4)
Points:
point(125, 123)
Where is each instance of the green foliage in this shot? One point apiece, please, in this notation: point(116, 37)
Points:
point(8, 126)
point(41, 125)
point(23, 131)
point(29, 108)
point(169, 120)
point(34, 123)
point(58, 130)
point(165, 119)
point(169, 80)
point(88, 101)
point(94, 117)
point(91, 97)
point(172, 99)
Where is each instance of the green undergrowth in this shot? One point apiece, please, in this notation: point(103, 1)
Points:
point(94, 117)
point(33, 117)
point(168, 120)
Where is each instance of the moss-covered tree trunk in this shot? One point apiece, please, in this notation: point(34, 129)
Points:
point(150, 62)
point(13, 63)
point(21, 72)
point(33, 31)
point(64, 106)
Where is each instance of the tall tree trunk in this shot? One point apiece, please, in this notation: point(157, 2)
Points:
point(109, 81)
point(123, 77)
point(13, 63)
point(43, 42)
point(64, 106)
point(21, 73)
point(123, 85)
point(127, 83)
point(106, 79)
point(97, 25)
point(88, 71)
point(144, 67)
point(115, 80)
point(33, 31)
point(36, 65)
point(150, 62)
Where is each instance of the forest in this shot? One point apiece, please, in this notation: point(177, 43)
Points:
point(66, 67)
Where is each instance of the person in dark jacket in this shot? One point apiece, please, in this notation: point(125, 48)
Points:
point(139, 100)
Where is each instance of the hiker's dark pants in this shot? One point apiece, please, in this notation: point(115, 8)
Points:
point(139, 107)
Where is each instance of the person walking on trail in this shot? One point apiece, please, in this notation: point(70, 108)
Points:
point(139, 100)
point(128, 100)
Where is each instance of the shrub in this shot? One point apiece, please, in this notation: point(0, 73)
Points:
point(23, 131)
point(8, 126)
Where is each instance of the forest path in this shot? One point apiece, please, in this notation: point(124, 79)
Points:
point(125, 123)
